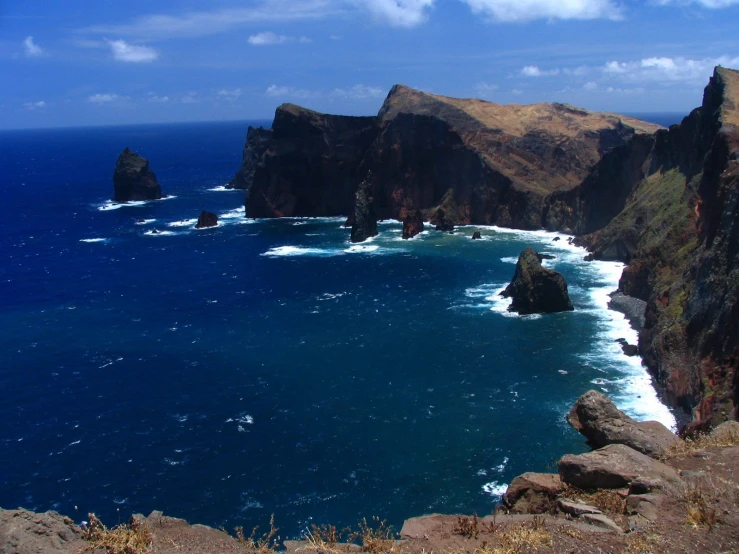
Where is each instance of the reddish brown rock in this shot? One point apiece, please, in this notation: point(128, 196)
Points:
point(598, 419)
point(24, 532)
point(532, 493)
point(614, 467)
point(413, 224)
point(535, 289)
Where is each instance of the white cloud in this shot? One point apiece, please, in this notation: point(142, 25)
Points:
point(102, 98)
point(204, 23)
point(230, 94)
point(711, 4)
point(516, 91)
point(278, 90)
point(528, 10)
point(34, 105)
point(359, 92)
point(485, 89)
point(305, 40)
point(125, 52)
point(190, 98)
point(663, 69)
point(32, 49)
point(590, 85)
point(534, 71)
point(267, 38)
point(158, 99)
point(399, 13)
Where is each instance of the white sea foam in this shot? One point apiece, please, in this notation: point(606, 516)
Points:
point(112, 205)
point(281, 251)
point(155, 233)
point(495, 489)
point(362, 248)
point(183, 223)
point(145, 221)
point(509, 260)
point(94, 240)
point(233, 214)
point(222, 188)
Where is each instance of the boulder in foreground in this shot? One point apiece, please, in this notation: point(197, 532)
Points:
point(532, 493)
point(535, 289)
point(614, 466)
point(207, 219)
point(24, 532)
point(598, 419)
point(133, 179)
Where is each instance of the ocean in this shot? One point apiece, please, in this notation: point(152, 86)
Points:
point(270, 366)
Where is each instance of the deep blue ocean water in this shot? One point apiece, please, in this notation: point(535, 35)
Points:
point(270, 367)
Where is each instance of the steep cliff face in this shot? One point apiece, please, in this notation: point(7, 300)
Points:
point(486, 162)
point(667, 205)
point(133, 179)
point(257, 140)
point(308, 166)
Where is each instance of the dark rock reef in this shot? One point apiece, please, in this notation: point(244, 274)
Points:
point(536, 289)
point(206, 219)
point(256, 143)
point(133, 179)
point(365, 220)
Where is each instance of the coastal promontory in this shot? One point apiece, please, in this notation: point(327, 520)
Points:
point(133, 179)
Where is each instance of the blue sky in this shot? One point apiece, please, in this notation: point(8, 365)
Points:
point(99, 62)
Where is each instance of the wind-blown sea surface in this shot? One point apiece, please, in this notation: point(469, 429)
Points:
point(271, 366)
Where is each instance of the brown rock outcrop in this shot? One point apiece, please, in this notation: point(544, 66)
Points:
point(413, 224)
point(257, 140)
point(614, 467)
point(365, 219)
point(598, 419)
point(535, 289)
point(24, 532)
point(133, 179)
point(532, 493)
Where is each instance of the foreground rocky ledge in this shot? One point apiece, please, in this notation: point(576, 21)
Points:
point(612, 500)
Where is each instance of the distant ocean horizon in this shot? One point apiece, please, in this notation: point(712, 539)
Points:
point(271, 366)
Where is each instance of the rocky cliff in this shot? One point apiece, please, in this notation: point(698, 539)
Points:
point(667, 204)
point(133, 179)
point(482, 162)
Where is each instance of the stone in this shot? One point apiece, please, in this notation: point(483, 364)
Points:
point(133, 179)
point(727, 432)
point(602, 521)
point(24, 532)
point(535, 289)
point(207, 219)
point(532, 493)
point(645, 505)
point(365, 219)
point(630, 349)
point(413, 224)
point(598, 419)
point(476, 235)
point(440, 221)
point(575, 508)
point(613, 467)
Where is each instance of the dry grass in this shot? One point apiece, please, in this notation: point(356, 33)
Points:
point(525, 537)
point(267, 543)
point(376, 537)
point(639, 543)
point(606, 500)
point(700, 502)
point(131, 538)
point(728, 436)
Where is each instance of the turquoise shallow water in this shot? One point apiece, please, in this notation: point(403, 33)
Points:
point(271, 366)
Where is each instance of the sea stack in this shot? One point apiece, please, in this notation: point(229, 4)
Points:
point(535, 289)
point(133, 179)
point(207, 219)
point(365, 220)
point(412, 224)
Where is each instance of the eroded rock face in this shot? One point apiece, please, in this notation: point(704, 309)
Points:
point(598, 419)
point(614, 466)
point(24, 532)
point(498, 163)
point(207, 219)
point(365, 218)
point(413, 224)
point(535, 289)
point(533, 493)
point(133, 179)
